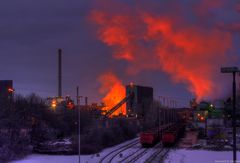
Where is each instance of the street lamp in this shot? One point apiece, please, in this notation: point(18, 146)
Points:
point(233, 70)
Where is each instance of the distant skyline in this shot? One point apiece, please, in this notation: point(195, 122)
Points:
point(31, 32)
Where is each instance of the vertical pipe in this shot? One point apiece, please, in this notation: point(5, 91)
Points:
point(164, 104)
point(160, 100)
point(164, 116)
point(79, 137)
point(59, 72)
point(234, 119)
point(86, 101)
point(159, 122)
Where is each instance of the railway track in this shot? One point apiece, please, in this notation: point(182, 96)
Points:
point(135, 156)
point(158, 156)
point(108, 158)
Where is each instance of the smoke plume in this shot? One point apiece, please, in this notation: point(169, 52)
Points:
point(189, 45)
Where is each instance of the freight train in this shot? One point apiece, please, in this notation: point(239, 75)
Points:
point(168, 133)
point(172, 134)
point(151, 137)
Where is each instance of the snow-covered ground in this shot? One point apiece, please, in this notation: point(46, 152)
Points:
point(199, 156)
point(177, 156)
point(39, 158)
point(50, 159)
point(174, 156)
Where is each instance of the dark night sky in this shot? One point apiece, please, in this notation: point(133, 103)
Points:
point(32, 31)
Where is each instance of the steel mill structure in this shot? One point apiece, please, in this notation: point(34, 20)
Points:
point(138, 99)
point(142, 98)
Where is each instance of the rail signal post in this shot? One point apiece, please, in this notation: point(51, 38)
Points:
point(233, 70)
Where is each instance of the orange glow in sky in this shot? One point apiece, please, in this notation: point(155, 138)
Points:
point(114, 92)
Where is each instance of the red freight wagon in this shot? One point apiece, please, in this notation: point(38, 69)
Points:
point(149, 138)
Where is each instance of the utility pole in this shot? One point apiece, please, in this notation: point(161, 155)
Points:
point(233, 70)
point(159, 122)
point(234, 119)
point(79, 137)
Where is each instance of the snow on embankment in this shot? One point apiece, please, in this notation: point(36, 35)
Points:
point(48, 159)
point(199, 156)
point(43, 158)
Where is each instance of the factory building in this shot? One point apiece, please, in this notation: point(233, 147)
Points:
point(140, 101)
point(6, 90)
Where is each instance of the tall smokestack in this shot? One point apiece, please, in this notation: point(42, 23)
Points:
point(59, 72)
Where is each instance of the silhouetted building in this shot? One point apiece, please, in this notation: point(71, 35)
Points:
point(142, 99)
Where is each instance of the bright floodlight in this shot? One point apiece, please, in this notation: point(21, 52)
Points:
point(229, 69)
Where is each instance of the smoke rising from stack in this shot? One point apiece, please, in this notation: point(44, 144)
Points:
point(187, 45)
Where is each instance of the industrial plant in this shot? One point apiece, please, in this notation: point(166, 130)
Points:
point(133, 111)
point(119, 81)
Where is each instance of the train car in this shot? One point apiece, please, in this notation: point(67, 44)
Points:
point(149, 138)
point(163, 128)
point(170, 136)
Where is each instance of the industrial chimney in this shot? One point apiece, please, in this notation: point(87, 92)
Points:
point(59, 73)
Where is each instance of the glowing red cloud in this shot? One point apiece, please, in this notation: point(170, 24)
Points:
point(190, 54)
